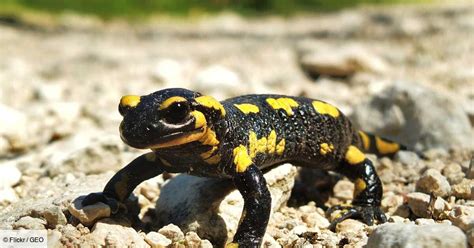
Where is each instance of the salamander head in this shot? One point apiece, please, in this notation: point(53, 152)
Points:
point(167, 118)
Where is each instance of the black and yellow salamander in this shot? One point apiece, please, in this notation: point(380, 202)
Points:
point(239, 139)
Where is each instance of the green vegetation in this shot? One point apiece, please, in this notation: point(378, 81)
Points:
point(142, 8)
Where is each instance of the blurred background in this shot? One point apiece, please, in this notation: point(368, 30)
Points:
point(144, 8)
point(64, 64)
point(83, 55)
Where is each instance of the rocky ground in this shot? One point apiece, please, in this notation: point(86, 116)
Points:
point(403, 72)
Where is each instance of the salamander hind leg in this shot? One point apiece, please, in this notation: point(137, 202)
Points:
point(367, 192)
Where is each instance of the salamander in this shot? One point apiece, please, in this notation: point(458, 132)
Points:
point(239, 139)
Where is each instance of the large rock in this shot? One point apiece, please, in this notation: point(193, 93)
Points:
point(212, 207)
point(416, 116)
point(410, 236)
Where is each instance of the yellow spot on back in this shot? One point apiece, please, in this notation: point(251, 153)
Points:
point(129, 101)
point(166, 103)
point(253, 144)
point(262, 145)
point(384, 147)
point(247, 108)
point(284, 103)
point(265, 144)
point(325, 148)
point(359, 186)
point(365, 140)
point(271, 142)
point(280, 148)
point(242, 159)
point(212, 103)
point(325, 109)
point(354, 155)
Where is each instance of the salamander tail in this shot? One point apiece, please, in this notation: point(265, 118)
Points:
point(382, 147)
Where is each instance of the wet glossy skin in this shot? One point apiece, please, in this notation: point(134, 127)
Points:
point(238, 139)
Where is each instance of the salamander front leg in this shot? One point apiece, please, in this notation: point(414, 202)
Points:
point(257, 206)
point(125, 180)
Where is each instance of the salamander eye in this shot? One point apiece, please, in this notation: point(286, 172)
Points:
point(177, 112)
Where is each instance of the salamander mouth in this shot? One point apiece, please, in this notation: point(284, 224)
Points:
point(175, 135)
point(178, 138)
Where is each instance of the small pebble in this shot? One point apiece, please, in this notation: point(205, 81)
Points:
point(462, 216)
point(464, 189)
point(453, 172)
point(28, 222)
point(350, 225)
point(432, 182)
point(172, 232)
point(157, 240)
point(419, 204)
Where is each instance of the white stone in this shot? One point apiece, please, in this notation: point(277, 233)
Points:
point(411, 236)
point(172, 232)
point(8, 195)
point(462, 216)
point(88, 215)
point(419, 203)
point(432, 182)
point(10, 175)
point(109, 233)
point(157, 240)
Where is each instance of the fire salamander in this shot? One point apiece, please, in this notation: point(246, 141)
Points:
point(239, 139)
